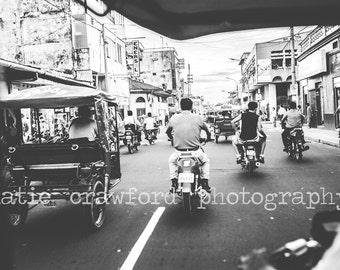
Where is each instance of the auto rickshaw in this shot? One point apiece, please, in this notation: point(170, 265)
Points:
point(222, 122)
point(40, 165)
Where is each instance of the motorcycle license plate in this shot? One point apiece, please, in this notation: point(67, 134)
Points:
point(186, 178)
point(50, 204)
point(128, 137)
point(250, 153)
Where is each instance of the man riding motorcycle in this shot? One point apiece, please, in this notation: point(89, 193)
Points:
point(149, 124)
point(185, 129)
point(292, 119)
point(134, 124)
point(250, 127)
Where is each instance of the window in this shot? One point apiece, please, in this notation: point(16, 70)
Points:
point(335, 44)
point(277, 63)
point(108, 49)
point(140, 100)
point(119, 53)
point(114, 49)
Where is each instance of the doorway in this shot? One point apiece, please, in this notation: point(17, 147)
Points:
point(315, 103)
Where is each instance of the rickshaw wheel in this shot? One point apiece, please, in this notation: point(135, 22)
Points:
point(95, 210)
point(18, 217)
point(17, 213)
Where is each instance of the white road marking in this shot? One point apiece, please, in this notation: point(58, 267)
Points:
point(137, 249)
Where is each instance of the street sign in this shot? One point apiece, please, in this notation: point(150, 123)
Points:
point(181, 63)
point(190, 78)
point(258, 96)
point(293, 89)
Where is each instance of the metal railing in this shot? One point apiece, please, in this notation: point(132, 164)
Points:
point(316, 35)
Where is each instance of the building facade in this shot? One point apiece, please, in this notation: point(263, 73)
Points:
point(64, 36)
point(319, 74)
point(146, 98)
point(267, 74)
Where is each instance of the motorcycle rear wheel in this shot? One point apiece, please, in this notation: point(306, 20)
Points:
point(130, 148)
point(298, 155)
point(250, 168)
point(187, 204)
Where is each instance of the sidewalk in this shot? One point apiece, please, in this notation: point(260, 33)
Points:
point(320, 135)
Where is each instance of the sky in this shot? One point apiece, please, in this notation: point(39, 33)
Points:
point(209, 56)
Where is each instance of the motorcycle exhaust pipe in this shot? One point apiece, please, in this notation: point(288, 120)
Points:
point(257, 164)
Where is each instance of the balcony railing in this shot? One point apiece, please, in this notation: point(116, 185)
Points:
point(316, 35)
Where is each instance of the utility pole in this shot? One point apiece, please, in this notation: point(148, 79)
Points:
point(105, 44)
point(292, 48)
point(190, 80)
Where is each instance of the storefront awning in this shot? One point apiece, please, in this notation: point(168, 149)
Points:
point(53, 96)
point(140, 87)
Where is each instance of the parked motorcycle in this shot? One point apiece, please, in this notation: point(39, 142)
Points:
point(250, 161)
point(130, 139)
point(296, 145)
point(189, 181)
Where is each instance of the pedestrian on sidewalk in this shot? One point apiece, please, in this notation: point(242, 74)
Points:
point(274, 116)
point(309, 115)
point(337, 111)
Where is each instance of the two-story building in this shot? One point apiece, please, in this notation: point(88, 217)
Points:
point(266, 74)
point(319, 74)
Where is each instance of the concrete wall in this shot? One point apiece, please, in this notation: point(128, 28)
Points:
point(34, 32)
point(157, 68)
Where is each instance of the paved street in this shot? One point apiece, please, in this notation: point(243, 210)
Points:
point(214, 239)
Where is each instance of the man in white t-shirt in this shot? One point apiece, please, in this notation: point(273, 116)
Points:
point(149, 124)
point(131, 121)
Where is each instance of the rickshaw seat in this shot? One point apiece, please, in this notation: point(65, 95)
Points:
point(32, 154)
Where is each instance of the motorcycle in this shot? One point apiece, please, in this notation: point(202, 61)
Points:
point(130, 139)
point(296, 145)
point(300, 254)
point(250, 161)
point(190, 182)
point(150, 135)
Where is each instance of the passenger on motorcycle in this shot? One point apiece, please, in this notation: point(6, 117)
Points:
point(134, 124)
point(185, 129)
point(149, 124)
point(292, 119)
point(251, 129)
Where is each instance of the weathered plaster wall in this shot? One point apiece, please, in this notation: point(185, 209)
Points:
point(35, 32)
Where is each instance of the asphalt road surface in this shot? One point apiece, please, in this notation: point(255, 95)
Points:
point(149, 226)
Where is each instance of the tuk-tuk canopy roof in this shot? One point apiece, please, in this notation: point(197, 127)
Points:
point(184, 19)
point(54, 96)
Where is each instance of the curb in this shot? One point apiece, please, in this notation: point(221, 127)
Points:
point(330, 143)
point(319, 140)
